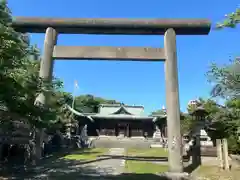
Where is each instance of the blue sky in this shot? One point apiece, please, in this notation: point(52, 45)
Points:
point(140, 83)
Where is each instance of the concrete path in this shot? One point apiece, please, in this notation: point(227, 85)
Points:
point(109, 166)
point(64, 169)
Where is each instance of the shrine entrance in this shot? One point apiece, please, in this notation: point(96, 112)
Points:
point(167, 27)
point(122, 129)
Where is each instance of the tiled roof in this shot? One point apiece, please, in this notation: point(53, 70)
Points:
point(116, 113)
point(119, 105)
point(109, 109)
point(122, 116)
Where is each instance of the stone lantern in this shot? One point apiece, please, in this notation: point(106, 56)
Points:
point(199, 115)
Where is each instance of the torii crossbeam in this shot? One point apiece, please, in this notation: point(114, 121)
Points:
point(167, 27)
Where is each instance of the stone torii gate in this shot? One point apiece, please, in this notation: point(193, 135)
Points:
point(167, 27)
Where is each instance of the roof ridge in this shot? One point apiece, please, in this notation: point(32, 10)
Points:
point(119, 105)
point(122, 108)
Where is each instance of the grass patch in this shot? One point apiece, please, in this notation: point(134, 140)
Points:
point(86, 154)
point(143, 167)
point(151, 152)
point(140, 167)
point(215, 173)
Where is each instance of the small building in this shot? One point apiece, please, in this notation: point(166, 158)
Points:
point(119, 120)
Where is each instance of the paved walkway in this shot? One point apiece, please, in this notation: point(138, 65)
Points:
point(108, 166)
point(64, 169)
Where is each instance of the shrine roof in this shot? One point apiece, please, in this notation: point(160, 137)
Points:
point(119, 105)
point(118, 111)
point(114, 109)
point(121, 116)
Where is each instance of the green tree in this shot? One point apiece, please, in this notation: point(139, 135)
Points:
point(186, 120)
point(159, 112)
point(187, 123)
point(226, 124)
point(20, 83)
point(19, 72)
point(231, 20)
point(91, 102)
point(13, 48)
point(226, 80)
point(223, 121)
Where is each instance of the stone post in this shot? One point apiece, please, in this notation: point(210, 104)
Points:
point(46, 73)
point(219, 152)
point(225, 154)
point(172, 103)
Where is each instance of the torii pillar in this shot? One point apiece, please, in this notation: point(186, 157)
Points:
point(167, 27)
point(172, 103)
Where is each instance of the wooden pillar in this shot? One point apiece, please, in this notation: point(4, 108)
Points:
point(46, 73)
point(219, 152)
point(127, 130)
point(225, 154)
point(172, 103)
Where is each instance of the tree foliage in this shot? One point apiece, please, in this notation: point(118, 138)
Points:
point(226, 80)
point(159, 112)
point(90, 103)
point(222, 121)
point(14, 48)
point(19, 72)
point(187, 123)
point(231, 20)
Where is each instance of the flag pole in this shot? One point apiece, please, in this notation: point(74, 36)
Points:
point(73, 96)
point(70, 123)
point(75, 86)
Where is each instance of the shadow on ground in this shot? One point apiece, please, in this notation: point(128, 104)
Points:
point(61, 170)
point(117, 177)
point(191, 167)
point(58, 168)
point(84, 152)
point(143, 158)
